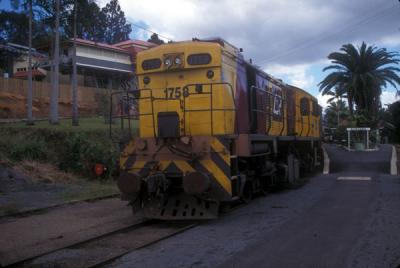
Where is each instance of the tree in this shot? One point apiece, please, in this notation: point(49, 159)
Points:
point(55, 62)
point(117, 29)
point(155, 39)
point(14, 27)
point(394, 118)
point(91, 24)
point(336, 94)
point(28, 5)
point(361, 73)
point(75, 120)
point(30, 89)
point(336, 111)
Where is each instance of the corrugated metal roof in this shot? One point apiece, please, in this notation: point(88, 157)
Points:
point(135, 42)
point(19, 49)
point(99, 45)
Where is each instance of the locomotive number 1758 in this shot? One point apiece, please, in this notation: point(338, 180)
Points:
point(176, 92)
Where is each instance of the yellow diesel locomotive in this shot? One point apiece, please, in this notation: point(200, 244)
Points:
point(213, 128)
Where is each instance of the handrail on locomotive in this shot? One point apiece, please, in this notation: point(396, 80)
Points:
point(132, 98)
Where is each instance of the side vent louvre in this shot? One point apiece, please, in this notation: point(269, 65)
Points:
point(168, 125)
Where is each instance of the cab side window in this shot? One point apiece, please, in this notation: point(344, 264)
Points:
point(315, 108)
point(277, 97)
point(304, 106)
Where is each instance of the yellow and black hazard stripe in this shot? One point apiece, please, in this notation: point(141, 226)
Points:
point(128, 157)
point(220, 182)
point(220, 156)
point(217, 166)
point(141, 167)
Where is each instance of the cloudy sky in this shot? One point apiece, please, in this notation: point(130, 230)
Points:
point(288, 39)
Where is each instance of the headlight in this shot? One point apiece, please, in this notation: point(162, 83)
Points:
point(146, 80)
point(178, 61)
point(210, 74)
point(167, 62)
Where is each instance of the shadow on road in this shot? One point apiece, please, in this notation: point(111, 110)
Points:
point(360, 162)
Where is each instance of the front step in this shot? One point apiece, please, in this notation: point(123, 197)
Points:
point(181, 207)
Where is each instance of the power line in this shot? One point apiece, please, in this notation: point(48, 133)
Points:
point(143, 28)
point(322, 37)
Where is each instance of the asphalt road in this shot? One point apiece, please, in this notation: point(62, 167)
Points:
point(338, 230)
point(326, 223)
point(373, 162)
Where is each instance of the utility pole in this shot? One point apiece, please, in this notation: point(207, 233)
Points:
point(75, 119)
point(30, 89)
point(338, 113)
point(56, 61)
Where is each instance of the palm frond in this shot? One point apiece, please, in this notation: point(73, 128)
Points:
point(359, 74)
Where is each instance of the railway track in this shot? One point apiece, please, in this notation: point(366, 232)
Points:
point(25, 213)
point(101, 250)
point(105, 248)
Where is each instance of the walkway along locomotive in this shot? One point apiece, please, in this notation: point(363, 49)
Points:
point(212, 128)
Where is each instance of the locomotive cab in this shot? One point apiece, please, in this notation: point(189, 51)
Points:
point(186, 108)
point(182, 86)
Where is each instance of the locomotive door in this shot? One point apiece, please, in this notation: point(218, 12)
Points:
point(261, 96)
point(291, 111)
point(257, 101)
point(251, 83)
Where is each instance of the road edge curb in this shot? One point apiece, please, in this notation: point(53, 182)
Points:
point(326, 161)
point(393, 161)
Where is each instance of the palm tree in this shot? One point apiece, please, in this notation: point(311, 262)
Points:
point(336, 109)
point(361, 73)
point(336, 94)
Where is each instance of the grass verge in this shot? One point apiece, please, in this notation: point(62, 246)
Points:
point(90, 190)
point(69, 148)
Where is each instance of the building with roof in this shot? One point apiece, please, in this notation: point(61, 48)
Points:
point(14, 59)
point(99, 65)
point(135, 46)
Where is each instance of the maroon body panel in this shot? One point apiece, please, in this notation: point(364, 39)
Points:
point(241, 99)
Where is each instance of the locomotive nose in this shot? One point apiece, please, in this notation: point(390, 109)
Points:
point(196, 183)
point(129, 183)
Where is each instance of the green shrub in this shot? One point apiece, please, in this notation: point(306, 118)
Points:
point(71, 151)
point(28, 150)
point(81, 153)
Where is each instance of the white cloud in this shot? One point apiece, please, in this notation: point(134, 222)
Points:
point(323, 100)
point(388, 97)
point(392, 40)
point(295, 75)
point(274, 31)
point(285, 38)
